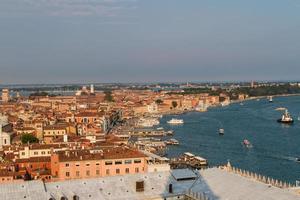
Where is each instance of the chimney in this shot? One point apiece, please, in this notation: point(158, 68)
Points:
point(140, 186)
point(170, 188)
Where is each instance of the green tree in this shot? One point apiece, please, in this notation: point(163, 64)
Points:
point(174, 104)
point(29, 138)
point(108, 96)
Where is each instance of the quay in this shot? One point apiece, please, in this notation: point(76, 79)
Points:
point(148, 132)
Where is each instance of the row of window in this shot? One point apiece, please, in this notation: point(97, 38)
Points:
point(120, 162)
point(77, 165)
point(117, 162)
point(107, 172)
point(87, 173)
point(54, 133)
point(37, 153)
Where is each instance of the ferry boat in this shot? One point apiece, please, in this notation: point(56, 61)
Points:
point(286, 118)
point(247, 144)
point(221, 131)
point(175, 121)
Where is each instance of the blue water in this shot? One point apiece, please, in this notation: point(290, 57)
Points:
point(275, 146)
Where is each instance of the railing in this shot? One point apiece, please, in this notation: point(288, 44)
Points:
point(198, 195)
point(258, 177)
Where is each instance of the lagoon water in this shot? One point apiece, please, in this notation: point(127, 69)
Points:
point(275, 146)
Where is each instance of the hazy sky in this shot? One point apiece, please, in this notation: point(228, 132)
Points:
point(69, 41)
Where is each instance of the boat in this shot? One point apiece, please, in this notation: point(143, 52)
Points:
point(247, 144)
point(241, 104)
point(286, 118)
point(172, 142)
point(175, 121)
point(298, 118)
point(270, 99)
point(221, 131)
point(298, 160)
point(148, 122)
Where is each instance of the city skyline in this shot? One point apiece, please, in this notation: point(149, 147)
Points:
point(148, 41)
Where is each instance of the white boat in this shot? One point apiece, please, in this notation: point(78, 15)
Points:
point(148, 122)
point(270, 99)
point(175, 121)
point(172, 142)
point(286, 118)
point(221, 131)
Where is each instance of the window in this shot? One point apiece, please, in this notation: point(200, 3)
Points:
point(107, 172)
point(67, 164)
point(117, 171)
point(88, 172)
point(137, 161)
point(77, 165)
point(67, 174)
point(77, 173)
point(127, 170)
point(88, 164)
point(118, 162)
point(97, 163)
point(108, 163)
point(137, 170)
point(23, 153)
point(43, 152)
point(128, 162)
point(35, 153)
point(97, 172)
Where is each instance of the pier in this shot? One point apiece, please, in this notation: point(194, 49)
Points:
point(188, 160)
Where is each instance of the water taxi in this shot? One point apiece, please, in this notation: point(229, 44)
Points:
point(175, 121)
point(286, 118)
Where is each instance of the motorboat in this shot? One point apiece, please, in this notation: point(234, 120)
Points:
point(172, 142)
point(221, 131)
point(175, 121)
point(270, 99)
point(286, 118)
point(247, 144)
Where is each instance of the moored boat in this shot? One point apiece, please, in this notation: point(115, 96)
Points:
point(175, 121)
point(172, 142)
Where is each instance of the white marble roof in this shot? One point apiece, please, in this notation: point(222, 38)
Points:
point(214, 182)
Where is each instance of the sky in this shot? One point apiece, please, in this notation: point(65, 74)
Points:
point(80, 41)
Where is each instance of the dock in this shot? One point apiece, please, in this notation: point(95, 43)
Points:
point(188, 160)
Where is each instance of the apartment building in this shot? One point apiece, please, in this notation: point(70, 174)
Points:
point(109, 162)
